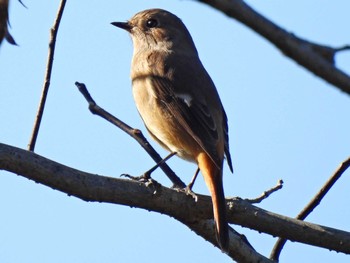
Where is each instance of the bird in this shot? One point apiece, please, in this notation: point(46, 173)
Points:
point(178, 101)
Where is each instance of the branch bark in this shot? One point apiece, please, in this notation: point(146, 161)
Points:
point(318, 59)
point(134, 133)
point(276, 251)
point(150, 196)
point(47, 79)
point(196, 215)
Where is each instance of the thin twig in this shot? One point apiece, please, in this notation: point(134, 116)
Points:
point(22, 4)
point(134, 133)
point(267, 193)
point(52, 44)
point(342, 48)
point(276, 251)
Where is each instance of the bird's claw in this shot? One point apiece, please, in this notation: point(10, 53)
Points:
point(188, 191)
point(142, 178)
point(145, 179)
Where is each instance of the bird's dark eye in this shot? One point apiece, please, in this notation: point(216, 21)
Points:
point(151, 23)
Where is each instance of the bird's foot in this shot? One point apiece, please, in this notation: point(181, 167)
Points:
point(188, 191)
point(142, 178)
point(145, 179)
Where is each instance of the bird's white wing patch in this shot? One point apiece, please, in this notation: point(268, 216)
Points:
point(187, 98)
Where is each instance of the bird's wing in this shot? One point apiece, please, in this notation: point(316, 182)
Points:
point(227, 148)
point(192, 114)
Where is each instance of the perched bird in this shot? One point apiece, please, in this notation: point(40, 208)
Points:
point(178, 101)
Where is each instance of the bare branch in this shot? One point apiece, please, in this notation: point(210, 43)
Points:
point(239, 249)
point(52, 44)
point(324, 190)
point(316, 58)
point(90, 187)
point(276, 251)
point(134, 133)
point(267, 193)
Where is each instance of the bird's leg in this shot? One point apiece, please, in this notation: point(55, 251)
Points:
point(188, 189)
point(147, 175)
point(190, 185)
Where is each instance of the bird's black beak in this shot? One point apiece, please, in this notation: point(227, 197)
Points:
point(123, 25)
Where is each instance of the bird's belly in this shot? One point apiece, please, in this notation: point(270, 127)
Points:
point(161, 124)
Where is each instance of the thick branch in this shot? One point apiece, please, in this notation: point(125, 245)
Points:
point(318, 59)
point(154, 197)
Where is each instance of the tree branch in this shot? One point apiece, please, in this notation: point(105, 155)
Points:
point(134, 133)
point(266, 193)
point(318, 59)
point(196, 215)
point(52, 44)
point(153, 197)
point(276, 251)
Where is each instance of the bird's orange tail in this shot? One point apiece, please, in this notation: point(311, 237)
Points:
point(213, 179)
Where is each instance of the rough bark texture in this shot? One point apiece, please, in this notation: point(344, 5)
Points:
point(154, 197)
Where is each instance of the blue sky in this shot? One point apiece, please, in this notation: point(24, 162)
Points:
point(285, 123)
